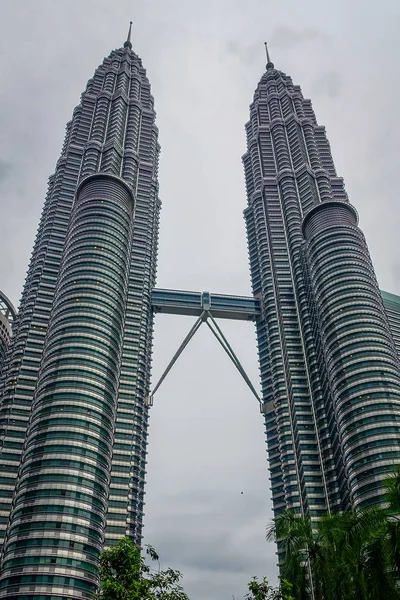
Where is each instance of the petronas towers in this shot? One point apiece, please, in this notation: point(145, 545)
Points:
point(76, 376)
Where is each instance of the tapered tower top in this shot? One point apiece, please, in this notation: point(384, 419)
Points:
point(270, 64)
point(128, 43)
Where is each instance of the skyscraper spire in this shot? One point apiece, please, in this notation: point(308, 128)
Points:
point(270, 64)
point(128, 43)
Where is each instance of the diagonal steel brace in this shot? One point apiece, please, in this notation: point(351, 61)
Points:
point(229, 350)
point(221, 339)
point(192, 331)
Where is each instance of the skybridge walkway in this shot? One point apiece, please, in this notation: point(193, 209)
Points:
point(207, 308)
point(221, 306)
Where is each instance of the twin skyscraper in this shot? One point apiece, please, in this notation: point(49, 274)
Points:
point(75, 378)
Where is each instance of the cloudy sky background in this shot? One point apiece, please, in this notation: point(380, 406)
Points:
point(204, 60)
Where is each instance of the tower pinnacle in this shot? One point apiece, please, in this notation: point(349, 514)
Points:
point(128, 43)
point(270, 64)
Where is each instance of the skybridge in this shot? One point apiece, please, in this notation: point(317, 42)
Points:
point(207, 308)
point(177, 302)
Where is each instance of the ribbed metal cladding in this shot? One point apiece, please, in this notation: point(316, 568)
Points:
point(58, 517)
point(359, 352)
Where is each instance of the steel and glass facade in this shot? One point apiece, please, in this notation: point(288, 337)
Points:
point(330, 371)
point(73, 421)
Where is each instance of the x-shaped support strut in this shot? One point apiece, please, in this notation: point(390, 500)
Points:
point(205, 317)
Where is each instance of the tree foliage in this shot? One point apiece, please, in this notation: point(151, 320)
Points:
point(352, 555)
point(124, 575)
point(263, 591)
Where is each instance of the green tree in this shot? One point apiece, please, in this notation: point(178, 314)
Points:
point(392, 485)
point(342, 557)
point(360, 563)
point(124, 575)
point(263, 591)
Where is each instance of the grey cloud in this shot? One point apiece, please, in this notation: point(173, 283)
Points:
point(329, 83)
point(247, 54)
point(5, 170)
point(286, 37)
point(210, 554)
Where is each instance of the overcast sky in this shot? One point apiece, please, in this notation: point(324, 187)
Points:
point(204, 60)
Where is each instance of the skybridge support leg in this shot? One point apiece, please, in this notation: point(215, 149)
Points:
point(217, 332)
point(193, 330)
point(229, 350)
